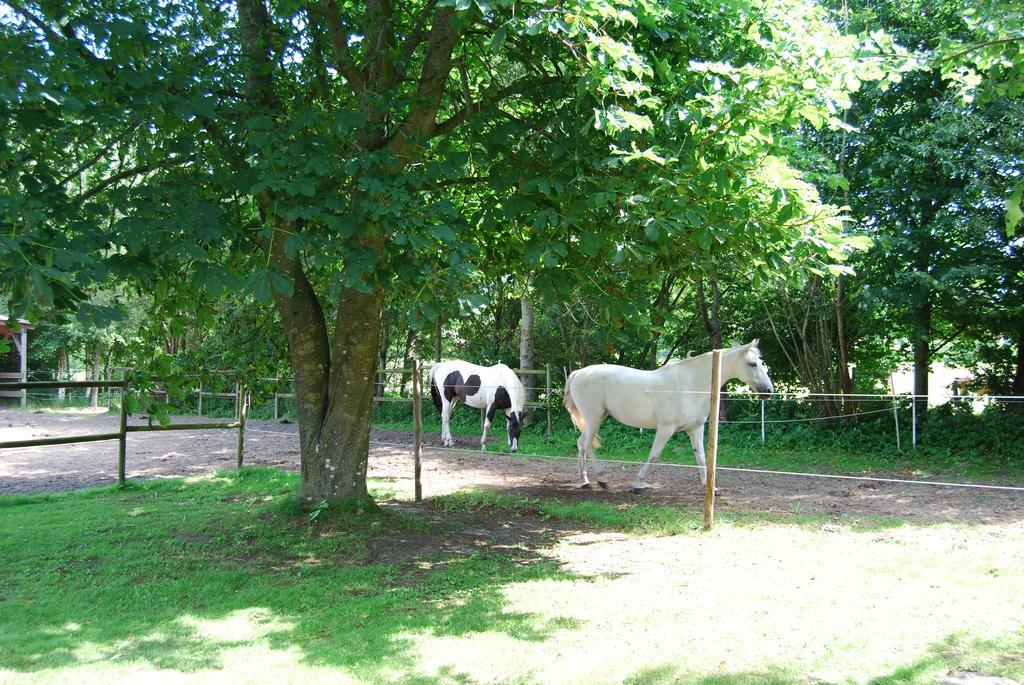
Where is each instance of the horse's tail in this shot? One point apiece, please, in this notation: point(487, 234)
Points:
point(434, 393)
point(574, 412)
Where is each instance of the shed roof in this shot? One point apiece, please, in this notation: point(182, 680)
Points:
point(22, 322)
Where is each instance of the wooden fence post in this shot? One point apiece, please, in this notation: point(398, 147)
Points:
point(712, 455)
point(417, 426)
point(199, 400)
point(896, 420)
point(122, 440)
point(277, 383)
point(913, 422)
point(243, 410)
point(547, 368)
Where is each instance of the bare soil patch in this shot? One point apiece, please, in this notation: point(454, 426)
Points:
point(189, 453)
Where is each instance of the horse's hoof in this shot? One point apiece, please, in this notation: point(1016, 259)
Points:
point(585, 486)
point(639, 491)
point(603, 484)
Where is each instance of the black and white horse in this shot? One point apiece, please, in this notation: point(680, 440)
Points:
point(485, 387)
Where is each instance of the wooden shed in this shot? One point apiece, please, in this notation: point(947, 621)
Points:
point(14, 364)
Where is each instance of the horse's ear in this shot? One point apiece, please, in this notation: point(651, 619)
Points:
point(755, 342)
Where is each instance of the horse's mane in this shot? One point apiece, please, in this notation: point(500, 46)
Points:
point(690, 356)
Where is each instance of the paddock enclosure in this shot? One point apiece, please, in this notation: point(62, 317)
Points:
point(267, 443)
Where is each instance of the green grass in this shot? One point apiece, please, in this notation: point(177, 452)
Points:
point(227, 579)
point(144, 573)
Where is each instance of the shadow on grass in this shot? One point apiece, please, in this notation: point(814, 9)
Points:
point(174, 574)
point(980, 660)
point(975, 660)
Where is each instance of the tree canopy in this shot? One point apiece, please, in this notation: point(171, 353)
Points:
point(357, 163)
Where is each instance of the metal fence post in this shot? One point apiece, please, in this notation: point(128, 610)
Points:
point(199, 400)
point(762, 422)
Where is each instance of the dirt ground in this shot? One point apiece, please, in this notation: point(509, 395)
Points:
point(187, 453)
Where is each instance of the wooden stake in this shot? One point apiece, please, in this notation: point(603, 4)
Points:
point(547, 391)
point(712, 455)
point(122, 440)
point(417, 425)
point(243, 410)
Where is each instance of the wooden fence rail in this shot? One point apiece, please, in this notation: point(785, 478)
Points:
point(242, 400)
point(123, 428)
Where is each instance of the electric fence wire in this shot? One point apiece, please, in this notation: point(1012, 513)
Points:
point(550, 457)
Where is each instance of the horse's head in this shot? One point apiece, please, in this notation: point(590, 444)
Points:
point(515, 427)
point(752, 371)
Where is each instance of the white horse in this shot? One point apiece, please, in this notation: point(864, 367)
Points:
point(673, 398)
point(484, 387)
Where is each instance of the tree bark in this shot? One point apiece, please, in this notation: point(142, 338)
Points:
point(62, 365)
point(845, 379)
point(437, 339)
point(334, 379)
point(922, 355)
point(410, 342)
point(526, 354)
point(95, 401)
point(713, 327)
point(382, 362)
point(710, 315)
point(1018, 372)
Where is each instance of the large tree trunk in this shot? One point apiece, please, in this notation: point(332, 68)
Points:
point(334, 380)
point(526, 354)
point(334, 388)
point(334, 467)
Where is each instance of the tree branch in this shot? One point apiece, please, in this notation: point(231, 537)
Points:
point(378, 45)
point(483, 104)
point(982, 46)
point(437, 64)
point(136, 170)
point(65, 35)
point(339, 40)
point(92, 161)
point(419, 32)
